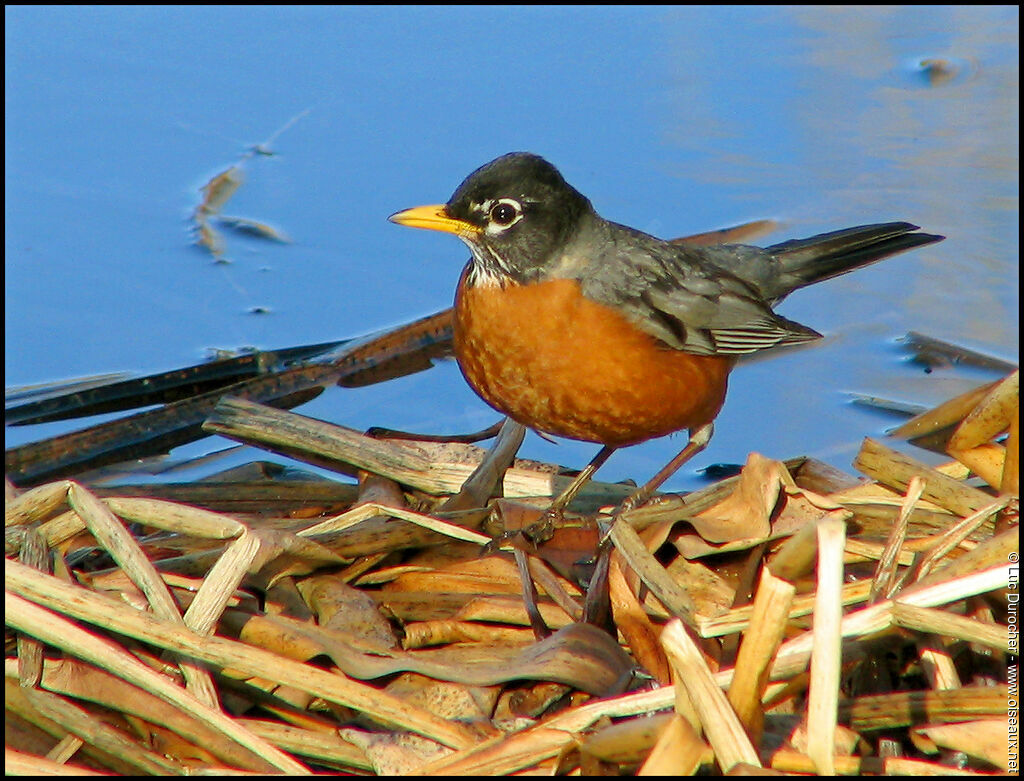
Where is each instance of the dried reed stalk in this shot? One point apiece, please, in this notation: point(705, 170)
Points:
point(939, 591)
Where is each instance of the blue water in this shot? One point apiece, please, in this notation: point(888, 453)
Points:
point(674, 120)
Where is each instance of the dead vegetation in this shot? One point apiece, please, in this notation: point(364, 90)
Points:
point(790, 618)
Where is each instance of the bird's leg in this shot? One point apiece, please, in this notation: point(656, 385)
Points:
point(699, 439)
point(542, 529)
point(581, 480)
point(596, 606)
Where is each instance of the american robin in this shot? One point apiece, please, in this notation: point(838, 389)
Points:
point(579, 327)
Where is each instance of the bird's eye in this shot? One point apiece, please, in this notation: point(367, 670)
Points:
point(505, 212)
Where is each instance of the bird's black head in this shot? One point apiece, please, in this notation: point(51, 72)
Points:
point(516, 214)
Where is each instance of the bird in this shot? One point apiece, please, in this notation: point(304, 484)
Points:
point(579, 327)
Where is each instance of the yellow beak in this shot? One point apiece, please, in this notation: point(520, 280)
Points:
point(434, 218)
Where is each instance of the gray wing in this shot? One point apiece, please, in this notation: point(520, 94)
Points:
point(691, 303)
point(728, 322)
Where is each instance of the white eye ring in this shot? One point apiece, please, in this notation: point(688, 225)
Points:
point(503, 214)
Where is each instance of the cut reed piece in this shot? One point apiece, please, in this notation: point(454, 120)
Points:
point(986, 461)
point(895, 470)
point(483, 483)
point(883, 584)
point(176, 517)
point(992, 552)
point(768, 620)
point(34, 554)
point(312, 743)
point(936, 660)
point(92, 730)
point(990, 417)
point(266, 496)
point(901, 766)
point(947, 414)
point(220, 583)
point(796, 556)
point(904, 709)
point(55, 630)
point(78, 680)
point(738, 618)
point(626, 742)
point(1010, 481)
point(722, 727)
point(787, 760)
point(986, 739)
point(364, 512)
point(122, 547)
point(86, 606)
point(827, 654)
point(36, 503)
point(679, 751)
point(346, 450)
point(947, 624)
point(503, 755)
point(954, 536)
point(794, 655)
point(651, 572)
point(18, 763)
point(640, 634)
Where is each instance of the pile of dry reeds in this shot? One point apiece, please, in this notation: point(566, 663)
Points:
point(791, 617)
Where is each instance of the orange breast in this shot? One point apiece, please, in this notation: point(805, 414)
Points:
point(557, 362)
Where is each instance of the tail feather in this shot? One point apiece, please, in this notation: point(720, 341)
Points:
point(803, 262)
